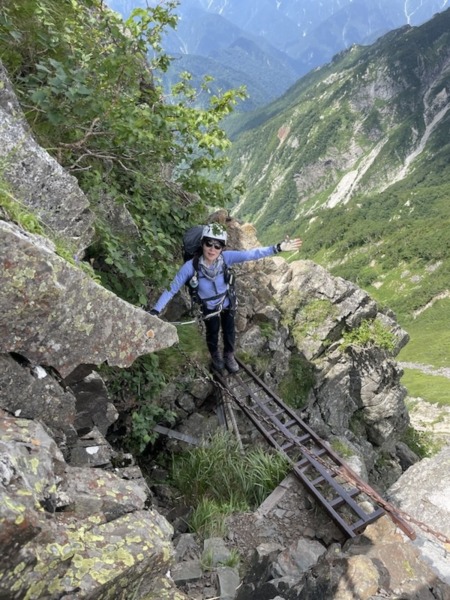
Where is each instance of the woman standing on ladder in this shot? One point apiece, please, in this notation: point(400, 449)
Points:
point(209, 274)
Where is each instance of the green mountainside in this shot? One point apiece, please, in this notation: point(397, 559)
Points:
point(355, 159)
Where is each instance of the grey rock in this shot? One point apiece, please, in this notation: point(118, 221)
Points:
point(186, 403)
point(186, 547)
point(423, 492)
point(54, 314)
point(227, 582)
point(187, 572)
point(405, 455)
point(297, 558)
point(117, 216)
point(37, 180)
point(93, 406)
point(252, 340)
point(85, 493)
point(91, 450)
point(134, 474)
point(45, 399)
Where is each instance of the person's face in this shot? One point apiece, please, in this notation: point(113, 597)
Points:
point(211, 249)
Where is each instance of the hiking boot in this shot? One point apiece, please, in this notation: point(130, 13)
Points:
point(230, 363)
point(217, 361)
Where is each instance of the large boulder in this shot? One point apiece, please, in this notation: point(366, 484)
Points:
point(54, 314)
point(423, 492)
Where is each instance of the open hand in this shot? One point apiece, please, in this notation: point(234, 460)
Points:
point(290, 245)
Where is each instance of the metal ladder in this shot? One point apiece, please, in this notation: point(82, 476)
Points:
point(349, 500)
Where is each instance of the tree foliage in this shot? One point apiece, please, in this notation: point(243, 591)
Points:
point(88, 83)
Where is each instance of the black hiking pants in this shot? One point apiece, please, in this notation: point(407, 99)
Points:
point(226, 320)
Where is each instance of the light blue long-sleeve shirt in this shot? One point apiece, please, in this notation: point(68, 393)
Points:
point(206, 287)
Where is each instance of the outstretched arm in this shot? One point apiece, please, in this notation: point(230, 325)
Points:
point(239, 256)
point(183, 275)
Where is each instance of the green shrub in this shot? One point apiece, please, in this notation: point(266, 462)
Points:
point(134, 391)
point(369, 334)
point(103, 116)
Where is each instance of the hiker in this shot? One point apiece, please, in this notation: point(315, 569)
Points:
point(209, 276)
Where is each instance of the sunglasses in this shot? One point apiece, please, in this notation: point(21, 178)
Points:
point(211, 244)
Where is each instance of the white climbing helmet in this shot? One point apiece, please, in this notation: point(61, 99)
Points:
point(215, 231)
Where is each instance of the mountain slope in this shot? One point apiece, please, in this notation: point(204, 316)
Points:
point(355, 159)
point(291, 37)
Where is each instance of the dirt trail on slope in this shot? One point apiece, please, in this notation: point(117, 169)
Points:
point(442, 371)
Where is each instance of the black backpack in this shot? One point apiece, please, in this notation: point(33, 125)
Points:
point(192, 242)
point(192, 249)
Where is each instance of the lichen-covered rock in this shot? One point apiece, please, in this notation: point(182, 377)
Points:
point(105, 561)
point(91, 450)
point(37, 180)
point(54, 314)
point(74, 533)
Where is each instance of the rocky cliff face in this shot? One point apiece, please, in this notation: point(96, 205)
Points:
point(66, 529)
point(299, 312)
point(72, 525)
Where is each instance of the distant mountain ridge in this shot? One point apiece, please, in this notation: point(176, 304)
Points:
point(355, 159)
point(293, 37)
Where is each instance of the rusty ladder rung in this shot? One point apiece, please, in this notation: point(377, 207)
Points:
point(318, 480)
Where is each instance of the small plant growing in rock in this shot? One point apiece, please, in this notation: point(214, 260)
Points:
point(369, 334)
point(297, 383)
point(421, 442)
point(208, 518)
point(233, 560)
point(207, 560)
point(267, 330)
point(19, 213)
point(341, 448)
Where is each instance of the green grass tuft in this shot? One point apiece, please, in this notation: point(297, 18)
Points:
point(218, 479)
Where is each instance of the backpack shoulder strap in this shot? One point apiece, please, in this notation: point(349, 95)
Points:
point(195, 263)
